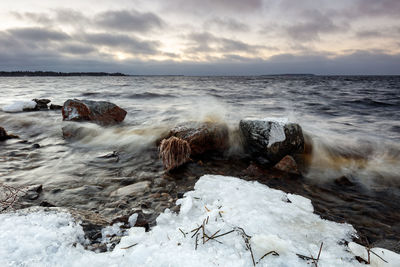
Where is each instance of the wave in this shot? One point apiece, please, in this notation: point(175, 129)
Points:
point(149, 95)
point(369, 162)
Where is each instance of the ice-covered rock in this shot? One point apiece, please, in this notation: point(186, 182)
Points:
point(271, 139)
point(100, 112)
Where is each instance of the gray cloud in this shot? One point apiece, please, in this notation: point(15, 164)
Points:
point(41, 18)
point(226, 24)
point(195, 6)
point(70, 16)
point(37, 34)
point(124, 42)
point(35, 41)
point(118, 20)
point(381, 7)
point(130, 21)
point(207, 42)
point(59, 16)
point(314, 25)
point(77, 49)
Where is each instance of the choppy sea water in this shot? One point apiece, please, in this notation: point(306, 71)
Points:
point(353, 122)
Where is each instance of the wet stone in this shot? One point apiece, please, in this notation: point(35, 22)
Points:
point(133, 189)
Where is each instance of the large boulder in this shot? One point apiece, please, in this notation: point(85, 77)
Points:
point(192, 138)
point(100, 112)
point(202, 136)
point(269, 140)
point(4, 135)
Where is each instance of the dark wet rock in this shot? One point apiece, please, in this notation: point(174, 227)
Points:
point(55, 107)
point(343, 181)
point(5, 136)
point(32, 192)
point(180, 194)
point(271, 140)
point(253, 170)
point(46, 204)
point(287, 164)
point(160, 182)
point(41, 104)
point(72, 131)
point(35, 146)
point(100, 112)
point(191, 139)
point(133, 189)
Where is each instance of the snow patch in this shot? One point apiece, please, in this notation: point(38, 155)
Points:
point(277, 131)
point(19, 106)
point(248, 213)
point(72, 113)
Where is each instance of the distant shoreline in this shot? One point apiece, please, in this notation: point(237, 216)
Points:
point(118, 74)
point(55, 74)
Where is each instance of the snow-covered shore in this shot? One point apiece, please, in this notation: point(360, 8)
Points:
point(275, 221)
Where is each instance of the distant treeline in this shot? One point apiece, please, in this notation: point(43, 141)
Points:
point(53, 73)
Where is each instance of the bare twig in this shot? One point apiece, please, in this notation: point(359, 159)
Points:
point(224, 234)
point(314, 260)
point(378, 256)
point(130, 246)
point(9, 196)
point(196, 230)
point(273, 252)
point(212, 236)
point(246, 239)
point(197, 237)
point(184, 234)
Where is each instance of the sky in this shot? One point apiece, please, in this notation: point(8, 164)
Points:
point(207, 37)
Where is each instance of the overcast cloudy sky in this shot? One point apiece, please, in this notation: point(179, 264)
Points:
point(205, 37)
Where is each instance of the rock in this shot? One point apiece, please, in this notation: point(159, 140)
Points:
point(55, 107)
point(41, 104)
point(287, 164)
point(35, 146)
point(343, 181)
point(4, 136)
point(132, 189)
point(271, 140)
point(76, 132)
point(202, 136)
point(192, 138)
point(100, 112)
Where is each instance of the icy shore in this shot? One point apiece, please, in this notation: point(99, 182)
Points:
point(251, 215)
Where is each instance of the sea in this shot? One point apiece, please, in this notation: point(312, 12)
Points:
point(352, 122)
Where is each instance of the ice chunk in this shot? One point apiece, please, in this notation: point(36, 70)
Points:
point(19, 106)
point(251, 213)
